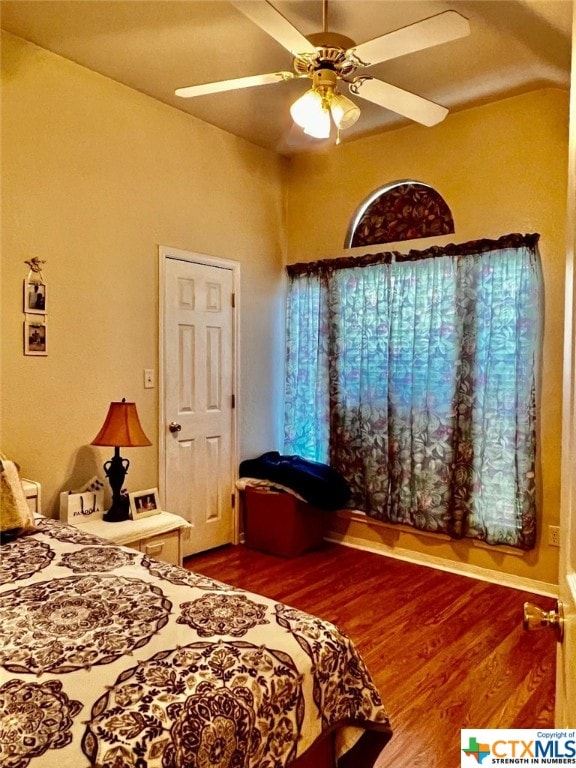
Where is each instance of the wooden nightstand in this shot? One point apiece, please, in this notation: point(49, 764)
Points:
point(158, 536)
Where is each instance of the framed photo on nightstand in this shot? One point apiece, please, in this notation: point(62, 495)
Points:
point(144, 503)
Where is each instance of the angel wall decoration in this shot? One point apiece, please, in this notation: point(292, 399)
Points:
point(35, 265)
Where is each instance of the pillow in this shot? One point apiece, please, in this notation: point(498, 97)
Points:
point(15, 515)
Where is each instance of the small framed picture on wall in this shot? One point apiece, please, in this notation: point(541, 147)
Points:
point(34, 298)
point(35, 338)
point(144, 503)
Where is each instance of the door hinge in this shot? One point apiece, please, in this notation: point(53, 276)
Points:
point(233, 401)
point(233, 501)
point(233, 299)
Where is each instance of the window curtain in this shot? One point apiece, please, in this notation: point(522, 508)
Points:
point(415, 376)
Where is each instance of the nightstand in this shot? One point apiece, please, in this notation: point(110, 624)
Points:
point(32, 491)
point(159, 536)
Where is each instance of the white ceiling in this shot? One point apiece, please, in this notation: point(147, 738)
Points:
point(156, 46)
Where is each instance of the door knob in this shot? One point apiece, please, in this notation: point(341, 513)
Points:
point(173, 427)
point(536, 618)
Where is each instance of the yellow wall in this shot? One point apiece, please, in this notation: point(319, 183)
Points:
point(94, 177)
point(501, 168)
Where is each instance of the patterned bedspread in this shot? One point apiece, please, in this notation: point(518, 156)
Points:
point(109, 658)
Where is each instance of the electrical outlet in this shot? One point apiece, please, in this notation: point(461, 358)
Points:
point(554, 535)
point(148, 378)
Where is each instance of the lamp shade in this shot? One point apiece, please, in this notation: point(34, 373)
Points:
point(122, 427)
point(310, 113)
point(307, 108)
point(344, 111)
point(313, 109)
point(319, 125)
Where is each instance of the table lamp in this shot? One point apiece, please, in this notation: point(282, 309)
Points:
point(121, 429)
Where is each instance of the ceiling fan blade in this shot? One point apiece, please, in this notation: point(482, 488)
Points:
point(231, 85)
point(400, 101)
point(442, 28)
point(277, 26)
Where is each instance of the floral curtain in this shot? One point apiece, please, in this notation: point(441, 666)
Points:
point(415, 377)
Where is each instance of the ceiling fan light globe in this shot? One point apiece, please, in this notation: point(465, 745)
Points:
point(344, 112)
point(319, 125)
point(307, 108)
point(311, 114)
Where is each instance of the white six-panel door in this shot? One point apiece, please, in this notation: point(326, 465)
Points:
point(197, 417)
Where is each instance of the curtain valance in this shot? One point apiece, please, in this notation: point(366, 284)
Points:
point(325, 266)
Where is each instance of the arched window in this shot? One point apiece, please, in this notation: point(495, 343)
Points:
point(404, 210)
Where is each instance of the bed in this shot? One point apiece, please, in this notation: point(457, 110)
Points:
point(109, 658)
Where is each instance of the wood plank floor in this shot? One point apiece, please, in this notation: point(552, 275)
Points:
point(446, 651)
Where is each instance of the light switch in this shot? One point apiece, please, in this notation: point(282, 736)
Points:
point(148, 378)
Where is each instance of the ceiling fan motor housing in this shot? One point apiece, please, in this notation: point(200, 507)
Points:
point(324, 79)
point(331, 54)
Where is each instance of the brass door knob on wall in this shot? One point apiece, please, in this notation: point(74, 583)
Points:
point(173, 427)
point(537, 618)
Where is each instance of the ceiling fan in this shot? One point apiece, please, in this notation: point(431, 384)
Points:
point(329, 59)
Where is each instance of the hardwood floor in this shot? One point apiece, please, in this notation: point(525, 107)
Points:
point(446, 651)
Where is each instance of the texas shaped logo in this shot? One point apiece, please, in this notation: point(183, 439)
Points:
point(479, 751)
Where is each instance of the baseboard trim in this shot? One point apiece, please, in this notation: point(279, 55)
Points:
point(433, 561)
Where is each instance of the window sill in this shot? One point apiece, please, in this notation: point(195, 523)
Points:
point(361, 517)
